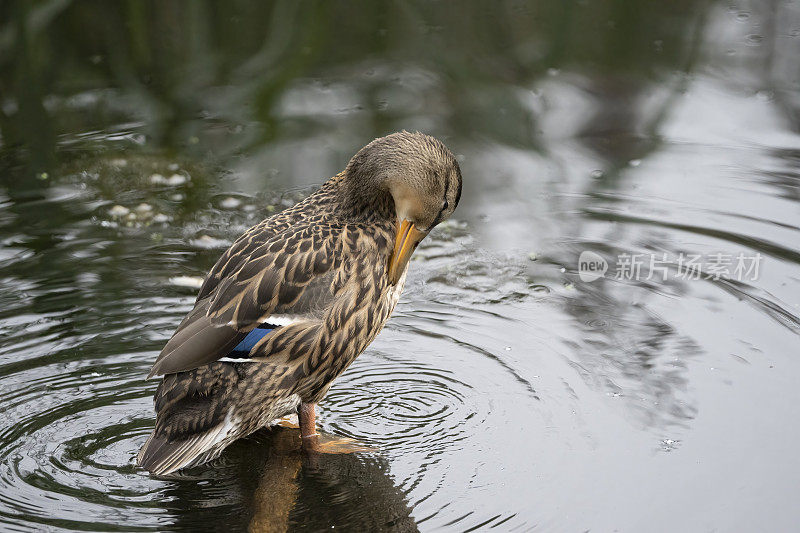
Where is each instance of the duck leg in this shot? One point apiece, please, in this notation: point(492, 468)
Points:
point(307, 418)
point(311, 439)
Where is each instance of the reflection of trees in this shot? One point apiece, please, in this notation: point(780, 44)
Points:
point(777, 56)
point(625, 348)
point(779, 79)
point(200, 69)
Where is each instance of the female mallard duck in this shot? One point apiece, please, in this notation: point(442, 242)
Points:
point(295, 300)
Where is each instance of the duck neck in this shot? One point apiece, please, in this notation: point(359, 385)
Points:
point(362, 199)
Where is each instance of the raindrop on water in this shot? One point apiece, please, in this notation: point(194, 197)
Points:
point(754, 39)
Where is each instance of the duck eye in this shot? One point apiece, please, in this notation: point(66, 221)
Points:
point(444, 206)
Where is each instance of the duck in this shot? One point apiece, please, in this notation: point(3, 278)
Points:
point(295, 300)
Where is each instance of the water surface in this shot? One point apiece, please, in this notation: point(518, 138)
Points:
point(138, 140)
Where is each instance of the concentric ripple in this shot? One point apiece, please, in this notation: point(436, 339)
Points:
point(403, 404)
point(69, 442)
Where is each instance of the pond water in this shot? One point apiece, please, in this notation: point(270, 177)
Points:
point(510, 390)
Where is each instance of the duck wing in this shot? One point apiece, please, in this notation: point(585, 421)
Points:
point(284, 279)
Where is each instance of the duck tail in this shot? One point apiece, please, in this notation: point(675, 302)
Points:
point(161, 455)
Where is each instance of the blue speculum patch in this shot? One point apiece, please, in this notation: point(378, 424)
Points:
point(252, 339)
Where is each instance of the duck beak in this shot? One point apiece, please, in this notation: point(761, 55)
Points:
point(408, 237)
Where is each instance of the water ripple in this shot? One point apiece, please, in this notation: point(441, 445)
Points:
point(403, 404)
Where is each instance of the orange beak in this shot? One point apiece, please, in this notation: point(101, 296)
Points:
point(408, 237)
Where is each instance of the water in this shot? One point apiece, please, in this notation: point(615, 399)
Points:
point(137, 141)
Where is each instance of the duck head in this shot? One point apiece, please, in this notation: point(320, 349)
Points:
point(422, 178)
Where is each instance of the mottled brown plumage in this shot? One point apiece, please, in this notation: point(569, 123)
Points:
point(291, 304)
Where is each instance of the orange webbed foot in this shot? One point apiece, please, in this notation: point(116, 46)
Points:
point(326, 444)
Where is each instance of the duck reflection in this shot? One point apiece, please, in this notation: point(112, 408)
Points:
point(266, 484)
